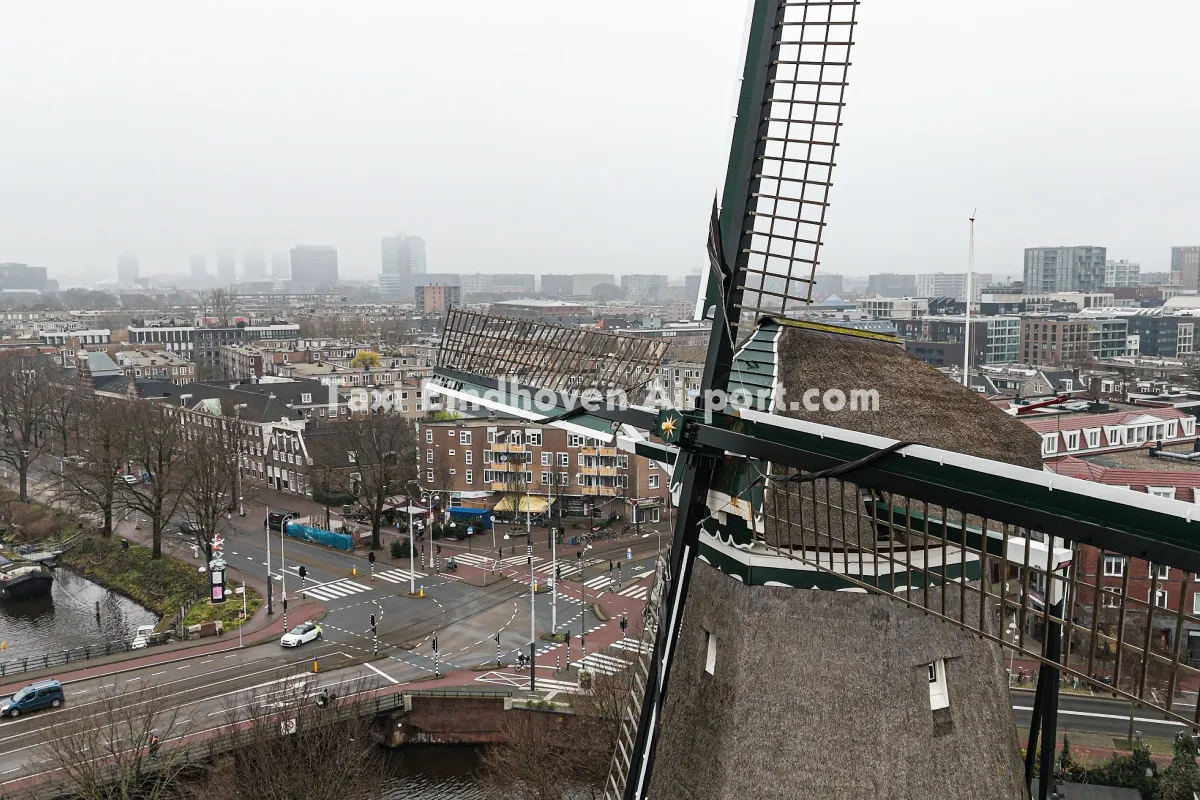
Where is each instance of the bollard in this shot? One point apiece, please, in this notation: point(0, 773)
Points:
point(315, 666)
point(421, 592)
point(353, 571)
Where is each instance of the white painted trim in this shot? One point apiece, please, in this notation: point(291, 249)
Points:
point(494, 405)
point(1035, 477)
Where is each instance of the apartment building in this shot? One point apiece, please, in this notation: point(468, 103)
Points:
point(495, 462)
point(893, 307)
point(1063, 338)
point(161, 365)
point(1090, 434)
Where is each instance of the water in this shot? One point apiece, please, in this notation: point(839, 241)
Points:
point(432, 773)
point(67, 618)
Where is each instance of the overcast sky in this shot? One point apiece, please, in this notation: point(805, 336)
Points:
point(550, 136)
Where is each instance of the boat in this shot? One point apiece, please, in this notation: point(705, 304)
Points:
point(25, 582)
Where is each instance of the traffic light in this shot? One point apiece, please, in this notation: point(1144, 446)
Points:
point(373, 622)
point(371, 556)
point(302, 571)
point(439, 549)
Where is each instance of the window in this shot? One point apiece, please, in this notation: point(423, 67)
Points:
point(1114, 566)
point(939, 697)
point(468, 476)
point(1072, 438)
point(489, 457)
point(654, 515)
point(574, 440)
point(429, 456)
point(1164, 572)
point(534, 438)
point(623, 462)
point(468, 456)
point(653, 464)
point(1196, 603)
point(579, 480)
point(305, 398)
point(1049, 443)
point(546, 459)
point(491, 436)
point(1093, 437)
point(580, 458)
point(1162, 491)
point(464, 437)
point(653, 481)
point(564, 479)
point(1160, 598)
point(453, 471)
point(564, 459)
point(429, 436)
point(710, 654)
point(451, 452)
point(429, 476)
point(546, 478)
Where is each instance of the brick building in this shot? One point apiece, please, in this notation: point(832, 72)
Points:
point(490, 462)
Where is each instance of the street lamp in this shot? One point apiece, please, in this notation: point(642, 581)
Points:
point(412, 548)
point(242, 591)
point(283, 523)
point(237, 474)
point(1012, 654)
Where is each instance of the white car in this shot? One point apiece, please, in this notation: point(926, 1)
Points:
point(305, 632)
point(130, 479)
point(142, 637)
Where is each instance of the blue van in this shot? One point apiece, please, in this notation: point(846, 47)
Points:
point(43, 694)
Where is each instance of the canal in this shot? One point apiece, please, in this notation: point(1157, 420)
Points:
point(67, 618)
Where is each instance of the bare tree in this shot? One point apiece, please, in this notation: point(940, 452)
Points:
point(208, 484)
point(102, 746)
point(541, 760)
point(64, 410)
point(90, 484)
point(283, 727)
point(219, 304)
point(25, 390)
point(158, 449)
point(380, 453)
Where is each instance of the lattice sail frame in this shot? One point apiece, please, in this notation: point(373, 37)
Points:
point(548, 357)
point(780, 229)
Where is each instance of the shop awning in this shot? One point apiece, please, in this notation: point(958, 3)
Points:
point(528, 504)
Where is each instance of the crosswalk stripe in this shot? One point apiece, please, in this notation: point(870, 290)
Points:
point(609, 665)
point(637, 592)
point(354, 587)
point(471, 558)
point(399, 575)
point(599, 582)
point(633, 645)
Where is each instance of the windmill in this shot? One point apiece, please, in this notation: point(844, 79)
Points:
point(846, 566)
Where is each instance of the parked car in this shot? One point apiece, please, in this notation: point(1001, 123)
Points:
point(141, 637)
point(43, 694)
point(130, 479)
point(305, 632)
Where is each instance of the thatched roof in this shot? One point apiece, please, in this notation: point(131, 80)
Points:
point(826, 694)
point(916, 402)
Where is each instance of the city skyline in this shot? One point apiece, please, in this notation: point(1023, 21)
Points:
point(546, 186)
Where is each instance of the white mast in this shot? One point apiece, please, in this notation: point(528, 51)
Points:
point(967, 323)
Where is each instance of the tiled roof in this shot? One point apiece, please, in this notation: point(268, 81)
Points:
point(1076, 422)
point(1186, 481)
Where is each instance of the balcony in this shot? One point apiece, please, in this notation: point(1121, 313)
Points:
point(600, 491)
point(602, 452)
point(514, 456)
point(506, 447)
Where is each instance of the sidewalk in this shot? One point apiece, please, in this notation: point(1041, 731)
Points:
point(261, 628)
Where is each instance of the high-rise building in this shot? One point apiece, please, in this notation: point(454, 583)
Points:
point(573, 285)
point(127, 269)
point(829, 284)
point(1064, 269)
point(890, 284)
point(254, 265)
point(1121, 274)
point(436, 298)
point(22, 277)
point(403, 261)
point(199, 264)
point(314, 265)
point(1185, 267)
point(643, 288)
point(952, 284)
point(226, 266)
point(281, 266)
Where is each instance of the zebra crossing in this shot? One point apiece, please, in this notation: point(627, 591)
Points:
point(336, 589)
point(637, 592)
point(600, 582)
point(634, 646)
point(399, 575)
point(602, 663)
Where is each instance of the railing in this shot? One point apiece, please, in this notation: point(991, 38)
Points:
point(18, 666)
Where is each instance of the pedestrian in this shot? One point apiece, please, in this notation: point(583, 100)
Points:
point(154, 747)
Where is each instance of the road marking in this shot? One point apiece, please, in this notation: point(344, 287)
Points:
point(185, 666)
point(232, 655)
point(1122, 717)
point(10, 771)
point(380, 672)
point(206, 662)
point(156, 674)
